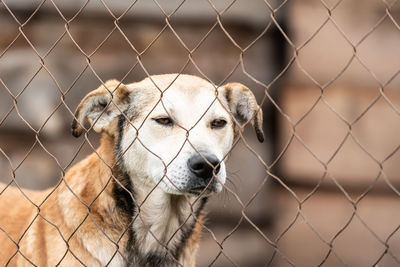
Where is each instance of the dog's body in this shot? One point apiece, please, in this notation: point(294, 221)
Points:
point(138, 200)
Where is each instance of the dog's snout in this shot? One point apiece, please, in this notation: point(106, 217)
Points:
point(203, 166)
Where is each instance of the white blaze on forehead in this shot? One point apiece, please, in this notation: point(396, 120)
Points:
point(185, 94)
point(188, 109)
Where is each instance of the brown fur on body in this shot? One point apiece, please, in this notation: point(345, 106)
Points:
point(103, 212)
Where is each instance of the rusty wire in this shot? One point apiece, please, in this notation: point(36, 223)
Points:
point(267, 97)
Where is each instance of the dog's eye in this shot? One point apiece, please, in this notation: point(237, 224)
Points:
point(164, 121)
point(215, 124)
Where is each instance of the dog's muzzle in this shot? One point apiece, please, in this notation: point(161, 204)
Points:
point(204, 167)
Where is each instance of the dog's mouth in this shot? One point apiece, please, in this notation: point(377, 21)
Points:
point(204, 190)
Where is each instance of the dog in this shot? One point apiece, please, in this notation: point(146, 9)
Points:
point(138, 199)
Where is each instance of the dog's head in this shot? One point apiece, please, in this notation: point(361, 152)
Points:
point(173, 131)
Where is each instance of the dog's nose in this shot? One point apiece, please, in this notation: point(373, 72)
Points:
point(203, 166)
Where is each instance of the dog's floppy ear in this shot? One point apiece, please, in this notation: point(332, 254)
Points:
point(243, 106)
point(99, 107)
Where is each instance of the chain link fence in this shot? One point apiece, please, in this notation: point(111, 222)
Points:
point(322, 190)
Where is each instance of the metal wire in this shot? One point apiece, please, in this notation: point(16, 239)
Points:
point(270, 174)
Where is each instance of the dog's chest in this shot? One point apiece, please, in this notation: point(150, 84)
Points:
point(161, 223)
point(106, 255)
point(161, 230)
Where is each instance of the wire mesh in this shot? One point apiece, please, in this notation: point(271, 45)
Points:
point(296, 175)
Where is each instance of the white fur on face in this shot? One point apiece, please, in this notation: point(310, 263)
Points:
point(162, 152)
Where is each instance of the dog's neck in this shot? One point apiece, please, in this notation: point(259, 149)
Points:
point(160, 224)
point(163, 223)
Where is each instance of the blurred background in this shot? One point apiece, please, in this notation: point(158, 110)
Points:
point(324, 187)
